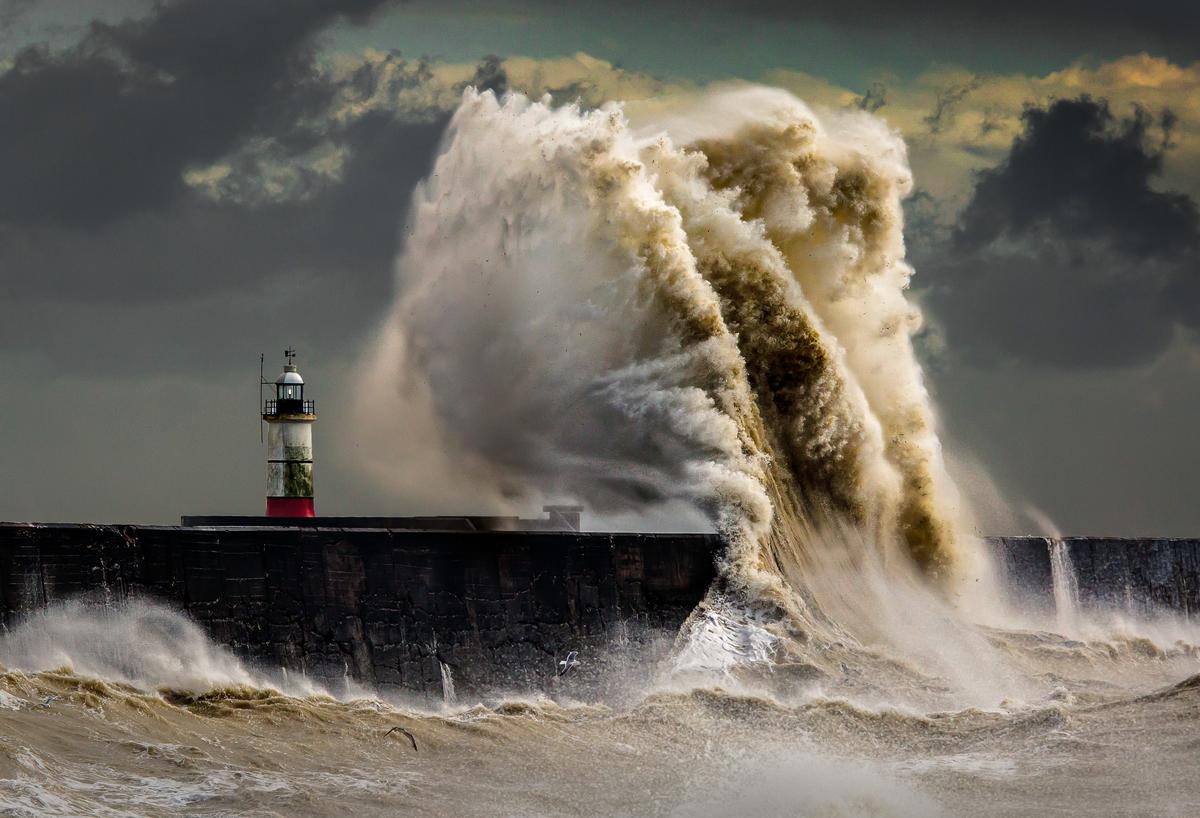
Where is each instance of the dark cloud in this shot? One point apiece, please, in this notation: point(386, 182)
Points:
point(193, 246)
point(106, 127)
point(490, 75)
point(1079, 172)
point(1167, 26)
point(95, 209)
point(1067, 254)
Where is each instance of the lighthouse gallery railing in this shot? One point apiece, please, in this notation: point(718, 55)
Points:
point(273, 408)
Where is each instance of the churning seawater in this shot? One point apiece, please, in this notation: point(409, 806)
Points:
point(694, 312)
point(189, 731)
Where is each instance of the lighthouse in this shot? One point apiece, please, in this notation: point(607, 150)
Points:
point(289, 418)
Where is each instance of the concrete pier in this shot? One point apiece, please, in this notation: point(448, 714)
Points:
point(410, 608)
point(389, 608)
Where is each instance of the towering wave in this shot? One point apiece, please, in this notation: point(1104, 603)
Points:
point(702, 306)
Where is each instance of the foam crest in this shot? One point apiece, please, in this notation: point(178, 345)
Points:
point(137, 642)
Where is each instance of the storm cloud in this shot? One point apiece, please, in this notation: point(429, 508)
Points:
point(98, 144)
point(107, 127)
point(1166, 26)
point(1068, 253)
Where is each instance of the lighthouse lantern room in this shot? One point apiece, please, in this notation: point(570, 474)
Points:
point(289, 418)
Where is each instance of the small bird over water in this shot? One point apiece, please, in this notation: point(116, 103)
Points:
point(565, 665)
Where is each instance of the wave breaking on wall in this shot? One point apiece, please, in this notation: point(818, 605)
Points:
point(700, 306)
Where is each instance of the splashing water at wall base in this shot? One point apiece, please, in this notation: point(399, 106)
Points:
point(139, 643)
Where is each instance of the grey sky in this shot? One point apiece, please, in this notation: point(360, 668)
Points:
point(183, 189)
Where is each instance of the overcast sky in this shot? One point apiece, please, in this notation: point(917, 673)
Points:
point(188, 184)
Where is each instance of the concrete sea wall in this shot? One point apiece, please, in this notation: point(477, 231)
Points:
point(423, 611)
point(475, 610)
point(1142, 577)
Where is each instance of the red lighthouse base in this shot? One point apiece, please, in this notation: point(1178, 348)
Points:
point(290, 507)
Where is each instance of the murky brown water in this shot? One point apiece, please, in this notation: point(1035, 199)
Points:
point(1116, 732)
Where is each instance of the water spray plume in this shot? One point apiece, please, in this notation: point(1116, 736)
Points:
point(706, 306)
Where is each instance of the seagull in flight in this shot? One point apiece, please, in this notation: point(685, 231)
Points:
point(565, 665)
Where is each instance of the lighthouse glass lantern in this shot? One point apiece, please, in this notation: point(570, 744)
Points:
point(289, 418)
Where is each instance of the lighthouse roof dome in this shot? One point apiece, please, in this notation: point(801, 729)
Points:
point(290, 375)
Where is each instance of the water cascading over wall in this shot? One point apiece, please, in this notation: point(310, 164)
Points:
point(1070, 579)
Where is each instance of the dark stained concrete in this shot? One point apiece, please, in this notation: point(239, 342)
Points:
point(407, 609)
point(387, 608)
point(1142, 577)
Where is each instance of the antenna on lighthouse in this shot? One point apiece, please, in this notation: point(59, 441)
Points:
point(262, 381)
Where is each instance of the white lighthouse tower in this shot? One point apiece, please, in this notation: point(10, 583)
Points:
point(289, 420)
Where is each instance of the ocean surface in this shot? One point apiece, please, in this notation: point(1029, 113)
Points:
point(1113, 730)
